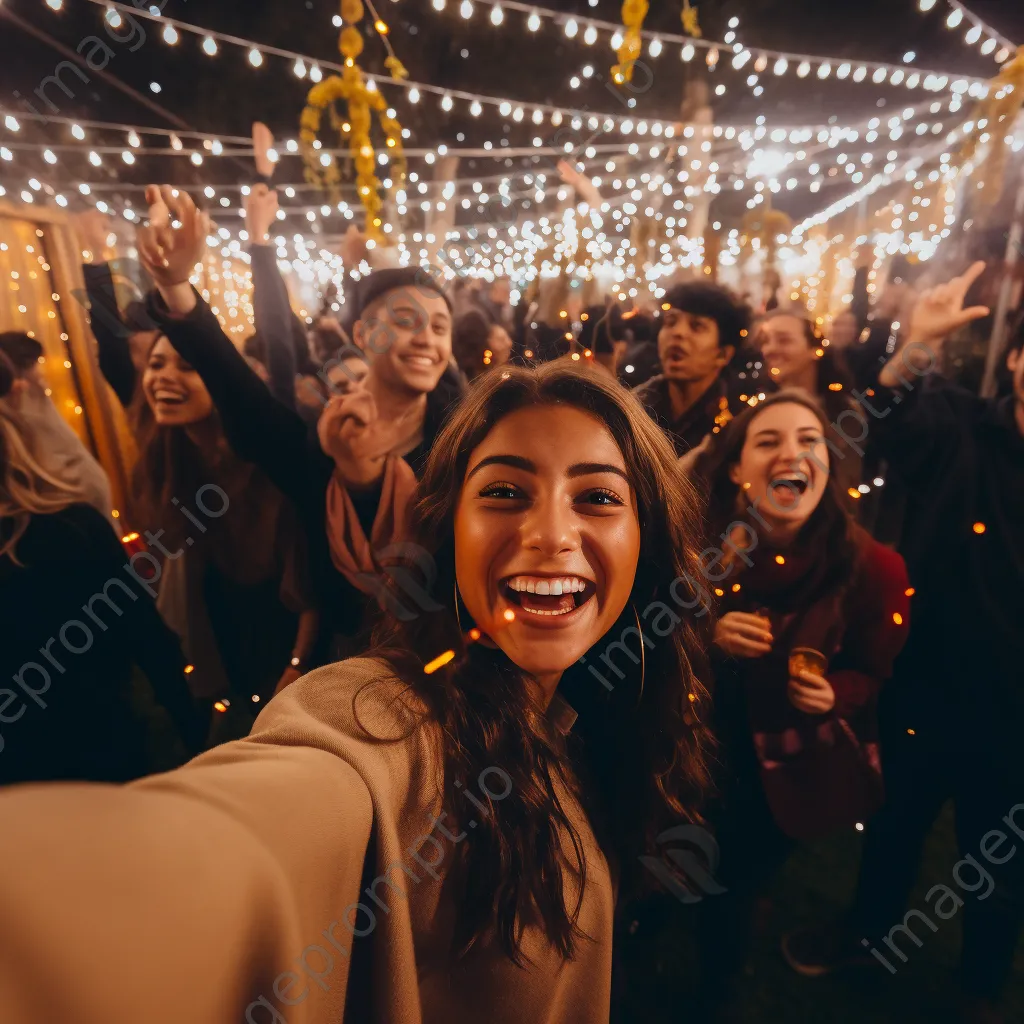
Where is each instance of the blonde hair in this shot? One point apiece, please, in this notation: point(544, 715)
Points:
point(26, 489)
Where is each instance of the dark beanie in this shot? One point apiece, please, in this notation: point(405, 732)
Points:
point(703, 299)
point(22, 351)
point(427, 280)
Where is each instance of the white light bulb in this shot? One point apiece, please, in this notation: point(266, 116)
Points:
point(133, 140)
point(466, 10)
point(590, 36)
point(974, 35)
point(170, 35)
point(446, 103)
point(497, 15)
point(128, 157)
point(617, 40)
point(49, 157)
point(438, 5)
point(781, 66)
point(687, 52)
point(95, 159)
point(300, 68)
point(955, 17)
point(988, 46)
point(475, 108)
point(655, 48)
point(210, 45)
point(315, 74)
point(571, 28)
point(825, 70)
point(926, 5)
point(255, 57)
point(76, 130)
point(533, 22)
point(804, 70)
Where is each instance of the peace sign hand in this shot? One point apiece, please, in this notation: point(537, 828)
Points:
point(940, 310)
point(352, 432)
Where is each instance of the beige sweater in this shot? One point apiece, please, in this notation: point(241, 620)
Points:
point(232, 889)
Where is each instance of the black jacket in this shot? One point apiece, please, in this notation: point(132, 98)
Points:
point(961, 460)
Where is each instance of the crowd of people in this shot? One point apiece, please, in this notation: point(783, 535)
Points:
point(457, 608)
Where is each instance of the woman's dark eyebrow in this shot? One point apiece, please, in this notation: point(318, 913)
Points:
point(515, 461)
point(766, 430)
point(586, 468)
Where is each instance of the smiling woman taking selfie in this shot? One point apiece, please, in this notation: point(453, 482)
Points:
point(813, 614)
point(435, 831)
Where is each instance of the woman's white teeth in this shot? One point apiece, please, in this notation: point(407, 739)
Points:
point(547, 587)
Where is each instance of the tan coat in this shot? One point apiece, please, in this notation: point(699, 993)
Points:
point(232, 889)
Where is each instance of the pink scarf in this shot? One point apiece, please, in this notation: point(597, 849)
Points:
point(352, 553)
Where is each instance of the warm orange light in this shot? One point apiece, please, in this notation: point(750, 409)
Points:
point(584, 317)
point(474, 634)
point(979, 528)
point(780, 560)
point(509, 615)
point(911, 732)
point(562, 313)
point(897, 618)
point(381, 27)
point(528, 353)
point(220, 706)
point(719, 593)
point(576, 357)
point(835, 387)
point(910, 592)
point(189, 669)
point(735, 588)
point(255, 698)
point(775, 371)
point(854, 493)
point(587, 354)
point(693, 697)
point(115, 513)
point(439, 662)
point(743, 333)
point(666, 306)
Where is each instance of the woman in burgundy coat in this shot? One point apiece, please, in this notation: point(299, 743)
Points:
point(813, 613)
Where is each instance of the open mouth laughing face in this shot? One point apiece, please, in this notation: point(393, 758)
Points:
point(784, 464)
point(547, 536)
point(174, 391)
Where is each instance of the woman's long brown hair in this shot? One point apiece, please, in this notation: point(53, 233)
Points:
point(830, 528)
point(644, 761)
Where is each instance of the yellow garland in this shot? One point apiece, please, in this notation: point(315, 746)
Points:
point(360, 102)
point(633, 14)
point(997, 112)
point(690, 24)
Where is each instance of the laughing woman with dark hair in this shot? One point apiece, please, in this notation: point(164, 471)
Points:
point(813, 614)
point(431, 832)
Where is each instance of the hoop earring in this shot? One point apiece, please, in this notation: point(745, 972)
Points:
point(643, 658)
point(458, 618)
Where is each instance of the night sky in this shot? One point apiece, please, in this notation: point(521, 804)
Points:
point(224, 94)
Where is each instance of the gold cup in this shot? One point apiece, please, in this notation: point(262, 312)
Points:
point(806, 659)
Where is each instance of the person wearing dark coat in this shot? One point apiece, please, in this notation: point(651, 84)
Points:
point(952, 718)
point(701, 331)
point(75, 617)
point(812, 615)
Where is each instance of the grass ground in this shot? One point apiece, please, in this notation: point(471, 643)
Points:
point(816, 884)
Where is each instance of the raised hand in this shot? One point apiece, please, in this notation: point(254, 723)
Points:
point(262, 144)
point(940, 310)
point(260, 213)
point(172, 244)
point(811, 693)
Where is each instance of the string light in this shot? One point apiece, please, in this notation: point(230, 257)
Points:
point(210, 46)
